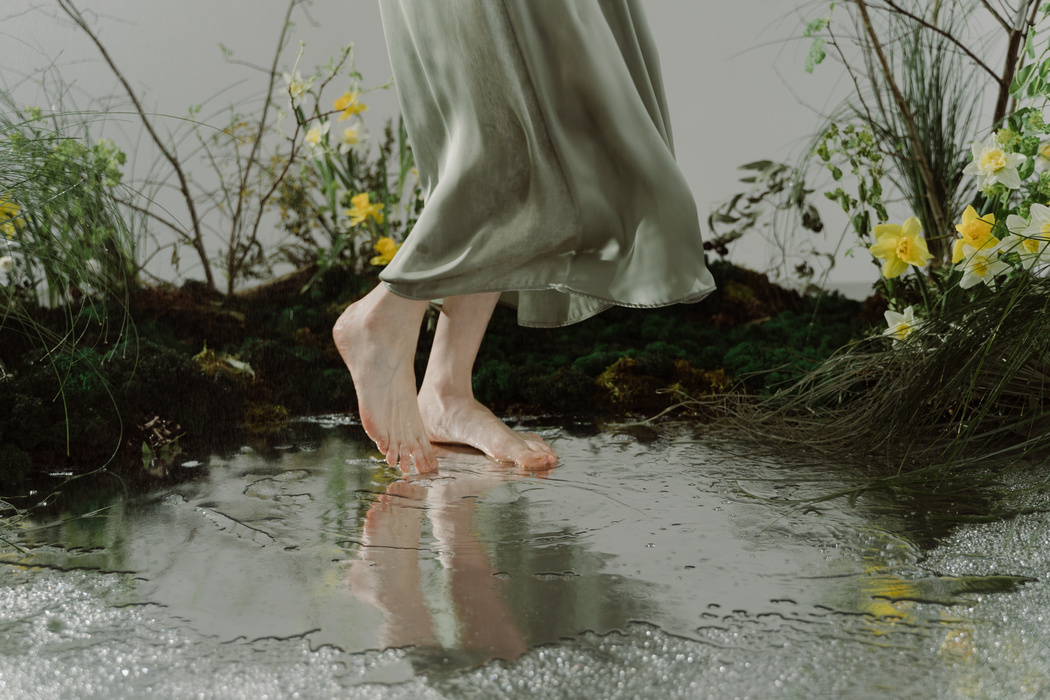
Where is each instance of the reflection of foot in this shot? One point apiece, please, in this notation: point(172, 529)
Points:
point(376, 338)
point(464, 421)
point(386, 573)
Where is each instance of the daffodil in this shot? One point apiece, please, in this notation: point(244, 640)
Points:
point(1042, 157)
point(901, 325)
point(349, 104)
point(352, 137)
point(296, 87)
point(9, 217)
point(361, 209)
point(982, 265)
point(387, 249)
point(974, 231)
point(7, 263)
point(1030, 240)
point(314, 138)
point(900, 246)
point(992, 163)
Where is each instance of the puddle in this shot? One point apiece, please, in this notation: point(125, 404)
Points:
point(641, 565)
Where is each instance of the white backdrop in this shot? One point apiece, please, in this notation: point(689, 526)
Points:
point(734, 77)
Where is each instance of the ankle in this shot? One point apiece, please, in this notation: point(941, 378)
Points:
point(445, 390)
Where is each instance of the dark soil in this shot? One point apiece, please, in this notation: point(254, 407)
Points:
point(180, 369)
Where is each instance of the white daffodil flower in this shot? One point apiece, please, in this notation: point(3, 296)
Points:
point(1030, 239)
point(900, 325)
point(992, 164)
point(982, 265)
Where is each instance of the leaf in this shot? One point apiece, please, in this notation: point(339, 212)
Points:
point(816, 55)
point(757, 165)
point(1021, 78)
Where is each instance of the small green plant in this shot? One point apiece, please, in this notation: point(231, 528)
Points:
point(347, 205)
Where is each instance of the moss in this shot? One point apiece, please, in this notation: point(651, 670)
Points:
point(264, 418)
point(496, 383)
point(567, 390)
point(15, 468)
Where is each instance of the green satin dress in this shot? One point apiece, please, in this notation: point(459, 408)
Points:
point(541, 135)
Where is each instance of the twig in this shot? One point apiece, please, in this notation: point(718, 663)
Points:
point(947, 35)
point(233, 268)
point(998, 17)
point(1013, 56)
point(909, 120)
point(197, 239)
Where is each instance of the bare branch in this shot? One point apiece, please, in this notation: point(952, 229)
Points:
point(949, 36)
point(999, 18)
point(197, 239)
point(909, 119)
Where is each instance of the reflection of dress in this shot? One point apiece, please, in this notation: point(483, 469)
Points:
point(544, 149)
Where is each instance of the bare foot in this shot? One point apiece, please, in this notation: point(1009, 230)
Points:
point(464, 421)
point(376, 338)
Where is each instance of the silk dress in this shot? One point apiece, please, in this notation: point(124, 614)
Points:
point(542, 140)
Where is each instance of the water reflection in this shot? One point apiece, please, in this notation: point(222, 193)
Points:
point(319, 540)
point(388, 572)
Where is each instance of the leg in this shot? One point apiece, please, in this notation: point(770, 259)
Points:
point(377, 338)
point(446, 400)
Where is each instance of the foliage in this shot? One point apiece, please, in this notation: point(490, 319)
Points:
point(261, 171)
point(343, 204)
point(62, 235)
point(777, 190)
point(960, 379)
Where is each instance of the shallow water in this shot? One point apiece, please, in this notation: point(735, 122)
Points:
point(649, 566)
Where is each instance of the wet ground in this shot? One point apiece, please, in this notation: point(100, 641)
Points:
point(645, 565)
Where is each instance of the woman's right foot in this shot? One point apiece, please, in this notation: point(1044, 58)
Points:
point(376, 337)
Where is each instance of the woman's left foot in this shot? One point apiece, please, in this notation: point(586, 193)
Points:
point(465, 421)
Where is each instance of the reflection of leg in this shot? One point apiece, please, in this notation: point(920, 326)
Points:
point(387, 573)
point(485, 620)
point(446, 399)
point(377, 338)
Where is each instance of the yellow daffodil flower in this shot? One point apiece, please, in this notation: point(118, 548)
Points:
point(361, 209)
point(387, 249)
point(9, 217)
point(349, 104)
point(974, 231)
point(900, 246)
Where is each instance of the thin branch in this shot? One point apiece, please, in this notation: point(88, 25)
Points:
point(179, 231)
point(909, 120)
point(257, 144)
point(197, 240)
point(1014, 51)
point(949, 36)
point(998, 17)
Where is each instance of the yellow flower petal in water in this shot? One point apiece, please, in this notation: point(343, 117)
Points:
point(974, 231)
point(900, 246)
point(349, 104)
point(387, 249)
point(361, 209)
